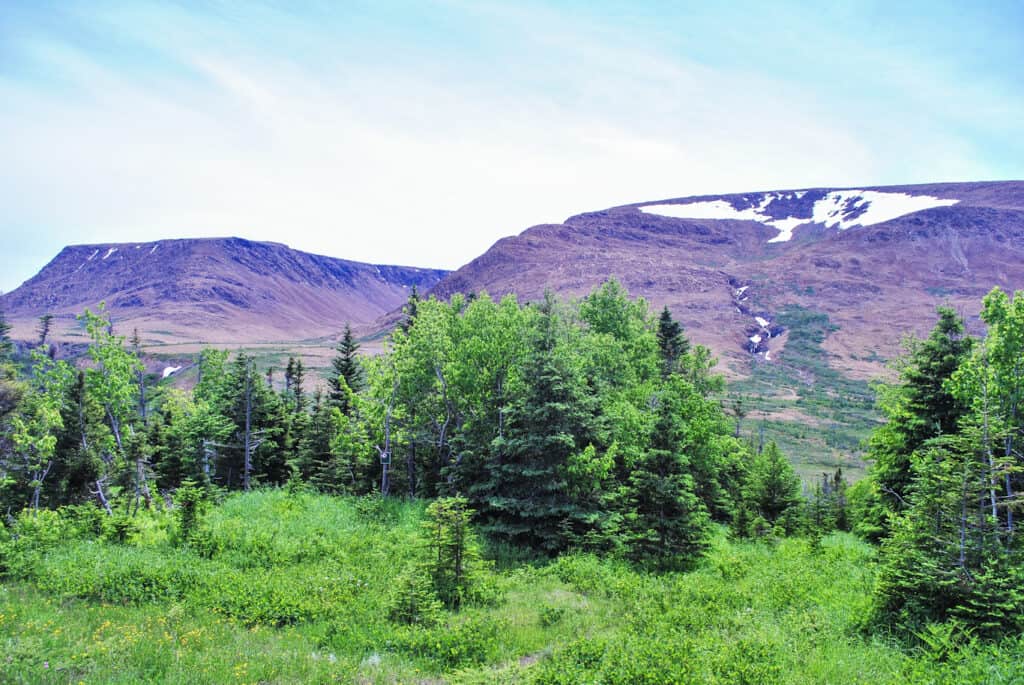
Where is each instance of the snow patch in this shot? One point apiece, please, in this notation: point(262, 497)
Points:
point(761, 321)
point(767, 355)
point(785, 227)
point(92, 256)
point(168, 370)
point(720, 209)
point(871, 206)
point(755, 339)
point(740, 291)
point(110, 252)
point(154, 248)
point(841, 208)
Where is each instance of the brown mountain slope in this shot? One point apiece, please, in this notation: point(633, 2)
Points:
point(226, 290)
point(875, 282)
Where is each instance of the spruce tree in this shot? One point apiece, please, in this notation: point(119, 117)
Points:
point(410, 310)
point(6, 345)
point(772, 493)
point(525, 499)
point(345, 367)
point(921, 407)
point(671, 341)
point(668, 523)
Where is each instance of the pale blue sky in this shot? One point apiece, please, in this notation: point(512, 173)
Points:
point(420, 132)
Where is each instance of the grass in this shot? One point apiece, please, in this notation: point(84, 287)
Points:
point(282, 587)
point(817, 415)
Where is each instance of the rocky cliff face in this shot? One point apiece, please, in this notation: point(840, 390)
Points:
point(214, 290)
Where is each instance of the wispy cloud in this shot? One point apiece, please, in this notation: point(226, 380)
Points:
point(404, 134)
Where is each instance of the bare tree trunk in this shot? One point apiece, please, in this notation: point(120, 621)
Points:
point(247, 467)
point(385, 452)
point(142, 484)
point(115, 427)
point(963, 519)
point(101, 496)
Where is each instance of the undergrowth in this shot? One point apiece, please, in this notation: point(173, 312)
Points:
point(285, 587)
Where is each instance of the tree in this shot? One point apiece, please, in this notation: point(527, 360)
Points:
point(953, 551)
point(526, 500)
point(345, 368)
point(947, 557)
point(921, 407)
point(44, 327)
point(671, 342)
point(112, 381)
point(669, 524)
point(6, 345)
point(411, 310)
point(456, 564)
point(772, 493)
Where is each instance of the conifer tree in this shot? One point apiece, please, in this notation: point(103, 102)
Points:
point(345, 367)
point(772, 493)
point(6, 346)
point(921, 407)
point(668, 523)
point(525, 499)
point(671, 342)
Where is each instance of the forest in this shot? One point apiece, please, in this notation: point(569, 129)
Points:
point(551, 492)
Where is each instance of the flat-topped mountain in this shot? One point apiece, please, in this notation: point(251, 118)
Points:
point(214, 290)
point(875, 260)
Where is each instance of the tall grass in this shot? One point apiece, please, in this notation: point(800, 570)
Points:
point(294, 587)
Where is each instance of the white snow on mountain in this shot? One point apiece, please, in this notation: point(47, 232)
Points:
point(839, 208)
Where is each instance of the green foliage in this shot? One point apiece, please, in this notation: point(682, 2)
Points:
point(921, 407)
point(188, 504)
point(83, 608)
point(951, 461)
point(449, 572)
point(346, 374)
point(771, 496)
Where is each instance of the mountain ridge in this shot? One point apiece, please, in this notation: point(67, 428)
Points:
point(951, 253)
point(231, 289)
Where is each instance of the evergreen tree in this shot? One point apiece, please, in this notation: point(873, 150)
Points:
point(771, 494)
point(920, 407)
point(6, 345)
point(668, 523)
point(410, 310)
point(44, 328)
point(671, 342)
point(525, 499)
point(345, 368)
point(947, 556)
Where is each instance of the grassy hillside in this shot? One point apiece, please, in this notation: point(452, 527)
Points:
point(293, 588)
point(817, 415)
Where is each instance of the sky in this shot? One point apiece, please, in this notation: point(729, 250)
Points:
point(419, 133)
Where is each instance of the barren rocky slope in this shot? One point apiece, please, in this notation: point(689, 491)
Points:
point(875, 260)
point(212, 290)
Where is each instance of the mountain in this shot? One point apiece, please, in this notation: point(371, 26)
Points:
point(226, 290)
point(802, 294)
point(875, 260)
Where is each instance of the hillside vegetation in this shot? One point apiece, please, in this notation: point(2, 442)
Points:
point(293, 587)
point(547, 493)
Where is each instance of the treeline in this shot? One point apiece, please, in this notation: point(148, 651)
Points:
point(588, 425)
point(944, 494)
